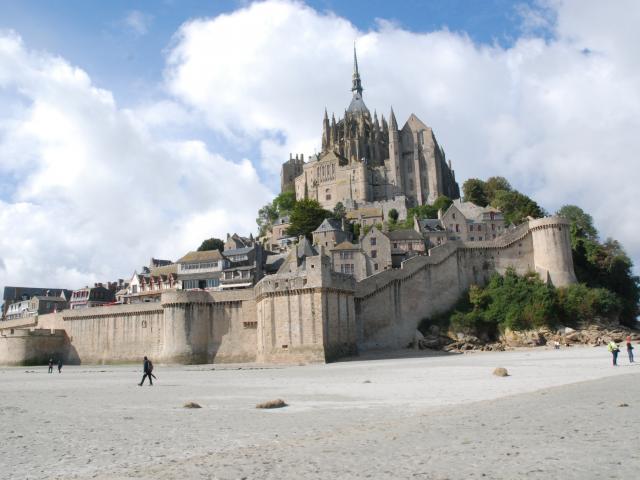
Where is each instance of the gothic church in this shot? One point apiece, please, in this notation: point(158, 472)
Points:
point(364, 160)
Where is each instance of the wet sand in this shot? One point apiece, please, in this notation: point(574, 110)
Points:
point(432, 417)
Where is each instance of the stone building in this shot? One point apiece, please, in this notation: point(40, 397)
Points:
point(95, 296)
point(330, 233)
point(469, 222)
point(17, 294)
point(151, 283)
point(348, 258)
point(377, 250)
point(364, 159)
point(201, 270)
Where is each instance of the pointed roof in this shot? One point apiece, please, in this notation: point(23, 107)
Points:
point(357, 104)
point(328, 225)
point(392, 120)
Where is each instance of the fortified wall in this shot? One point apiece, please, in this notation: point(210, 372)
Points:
point(304, 313)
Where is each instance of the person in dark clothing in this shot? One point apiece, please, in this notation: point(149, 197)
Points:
point(60, 365)
point(147, 368)
point(50, 365)
point(629, 349)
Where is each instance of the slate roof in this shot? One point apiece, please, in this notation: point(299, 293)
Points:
point(208, 255)
point(15, 293)
point(329, 225)
point(471, 211)
point(237, 251)
point(431, 225)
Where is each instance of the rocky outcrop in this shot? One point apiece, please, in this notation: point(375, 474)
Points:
point(598, 331)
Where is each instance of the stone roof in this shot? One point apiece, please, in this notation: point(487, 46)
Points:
point(329, 225)
point(237, 251)
point(471, 211)
point(404, 234)
point(207, 255)
point(357, 105)
point(165, 270)
point(346, 245)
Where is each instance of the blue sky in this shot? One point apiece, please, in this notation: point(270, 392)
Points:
point(97, 36)
point(136, 129)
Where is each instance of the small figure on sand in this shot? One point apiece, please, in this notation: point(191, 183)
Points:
point(614, 350)
point(556, 345)
point(60, 365)
point(629, 349)
point(50, 365)
point(147, 368)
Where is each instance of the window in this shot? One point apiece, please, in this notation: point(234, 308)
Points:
point(493, 226)
point(472, 239)
point(471, 228)
point(346, 255)
point(213, 283)
point(347, 268)
point(375, 267)
point(189, 284)
point(373, 241)
point(457, 227)
point(395, 245)
point(480, 238)
point(250, 325)
point(374, 253)
point(453, 215)
point(328, 197)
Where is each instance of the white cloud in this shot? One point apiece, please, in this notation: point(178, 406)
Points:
point(558, 115)
point(96, 193)
point(138, 22)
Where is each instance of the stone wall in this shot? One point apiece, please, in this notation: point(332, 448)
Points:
point(390, 305)
point(308, 314)
point(32, 347)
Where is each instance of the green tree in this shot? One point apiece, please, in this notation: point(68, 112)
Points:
point(473, 191)
point(211, 244)
point(339, 211)
point(281, 205)
point(494, 184)
point(516, 206)
point(284, 203)
point(306, 216)
point(393, 215)
point(442, 203)
point(581, 223)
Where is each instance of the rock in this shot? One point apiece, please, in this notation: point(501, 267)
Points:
point(501, 372)
point(623, 405)
point(568, 330)
point(278, 403)
point(191, 405)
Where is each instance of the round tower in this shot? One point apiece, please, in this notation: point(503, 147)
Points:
point(552, 250)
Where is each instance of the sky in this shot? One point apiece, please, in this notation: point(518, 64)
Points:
point(132, 129)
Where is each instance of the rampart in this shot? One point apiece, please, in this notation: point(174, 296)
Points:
point(309, 314)
point(390, 304)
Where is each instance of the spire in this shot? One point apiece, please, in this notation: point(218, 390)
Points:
point(392, 121)
point(356, 83)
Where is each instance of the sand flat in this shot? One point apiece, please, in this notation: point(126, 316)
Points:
point(556, 416)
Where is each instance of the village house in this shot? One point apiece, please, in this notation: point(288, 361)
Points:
point(12, 295)
point(95, 296)
point(330, 233)
point(201, 270)
point(469, 222)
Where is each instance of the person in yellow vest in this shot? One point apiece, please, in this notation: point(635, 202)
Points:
point(614, 349)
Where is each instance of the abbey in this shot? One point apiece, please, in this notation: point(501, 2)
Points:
point(366, 160)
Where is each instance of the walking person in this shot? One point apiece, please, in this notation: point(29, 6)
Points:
point(613, 348)
point(147, 367)
point(50, 365)
point(629, 349)
point(60, 365)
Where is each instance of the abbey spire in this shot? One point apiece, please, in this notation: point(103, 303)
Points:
point(357, 104)
point(356, 83)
